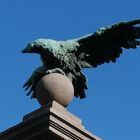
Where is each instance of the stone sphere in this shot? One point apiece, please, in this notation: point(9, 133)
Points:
point(56, 87)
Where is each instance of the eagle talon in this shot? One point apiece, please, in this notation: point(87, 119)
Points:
point(56, 70)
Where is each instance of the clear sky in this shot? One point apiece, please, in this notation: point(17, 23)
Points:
point(112, 107)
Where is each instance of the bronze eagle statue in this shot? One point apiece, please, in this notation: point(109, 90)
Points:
point(69, 57)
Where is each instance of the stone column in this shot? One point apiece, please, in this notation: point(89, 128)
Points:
point(50, 122)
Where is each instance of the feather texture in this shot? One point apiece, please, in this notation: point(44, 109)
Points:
point(69, 57)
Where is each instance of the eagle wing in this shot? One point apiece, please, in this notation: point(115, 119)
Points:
point(105, 45)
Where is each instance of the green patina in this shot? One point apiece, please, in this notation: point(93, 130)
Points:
point(70, 56)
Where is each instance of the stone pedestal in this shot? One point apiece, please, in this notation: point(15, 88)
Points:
point(50, 122)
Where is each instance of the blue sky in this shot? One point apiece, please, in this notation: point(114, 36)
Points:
point(112, 107)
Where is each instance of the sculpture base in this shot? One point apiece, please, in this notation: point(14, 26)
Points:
point(51, 122)
point(56, 87)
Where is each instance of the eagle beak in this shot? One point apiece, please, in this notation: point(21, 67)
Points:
point(24, 51)
point(27, 49)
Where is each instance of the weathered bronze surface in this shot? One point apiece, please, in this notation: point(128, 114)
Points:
point(69, 57)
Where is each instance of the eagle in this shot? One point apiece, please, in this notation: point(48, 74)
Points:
point(69, 57)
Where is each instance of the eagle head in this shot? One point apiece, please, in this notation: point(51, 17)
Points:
point(36, 46)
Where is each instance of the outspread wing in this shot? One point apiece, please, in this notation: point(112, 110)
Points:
point(106, 44)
